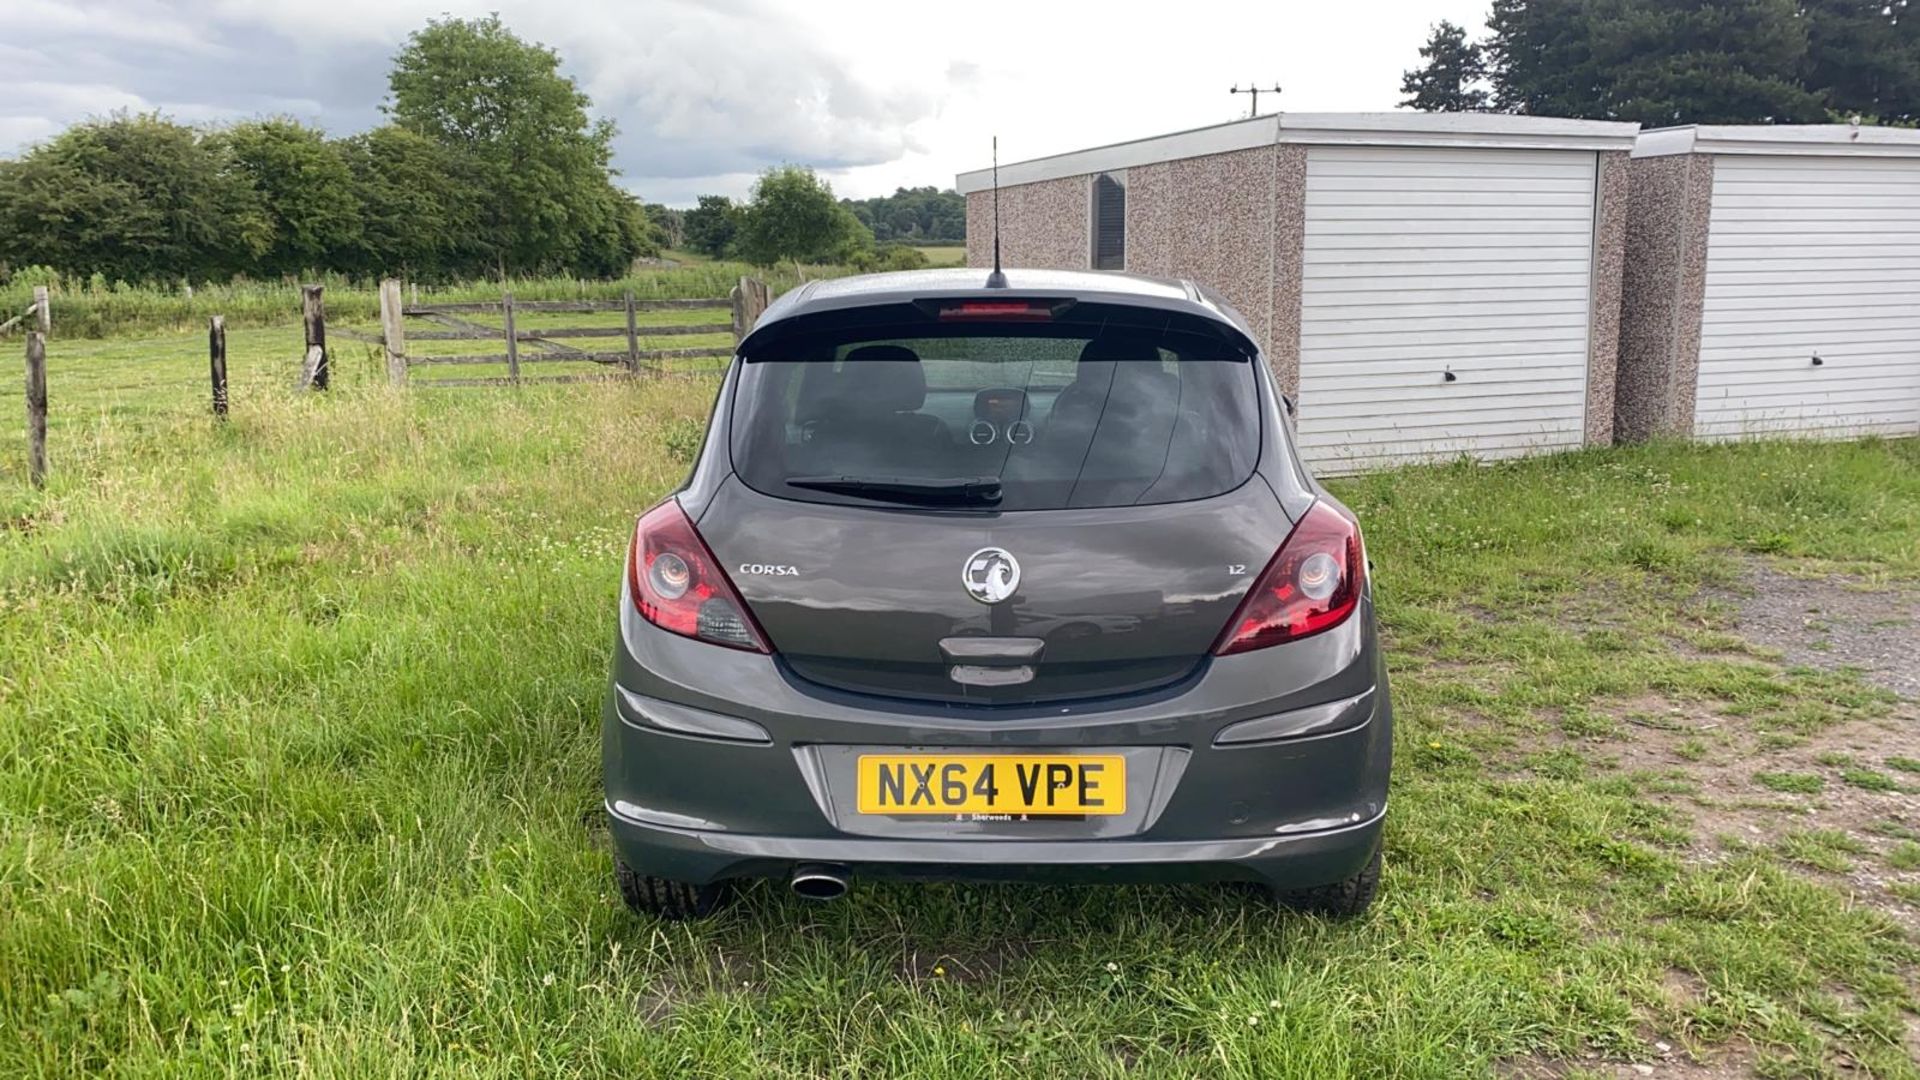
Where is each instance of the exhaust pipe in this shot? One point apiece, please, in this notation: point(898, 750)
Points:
point(819, 881)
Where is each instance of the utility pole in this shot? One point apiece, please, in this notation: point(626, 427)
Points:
point(1255, 91)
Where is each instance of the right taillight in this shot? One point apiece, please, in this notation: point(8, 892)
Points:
point(1312, 584)
point(677, 585)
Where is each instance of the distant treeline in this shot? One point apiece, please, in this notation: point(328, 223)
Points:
point(489, 166)
point(792, 214)
point(921, 215)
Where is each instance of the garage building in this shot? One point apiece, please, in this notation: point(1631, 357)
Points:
point(1426, 286)
point(1772, 282)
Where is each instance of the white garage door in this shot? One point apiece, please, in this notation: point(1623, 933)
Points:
point(1424, 262)
point(1811, 256)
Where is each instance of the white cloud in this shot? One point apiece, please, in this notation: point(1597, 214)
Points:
point(143, 22)
point(741, 86)
point(64, 99)
point(686, 190)
point(25, 130)
point(336, 22)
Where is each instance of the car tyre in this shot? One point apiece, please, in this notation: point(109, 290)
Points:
point(1347, 899)
point(675, 901)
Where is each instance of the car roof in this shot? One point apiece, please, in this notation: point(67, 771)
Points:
point(1087, 286)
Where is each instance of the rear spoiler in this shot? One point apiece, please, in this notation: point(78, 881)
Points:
point(910, 315)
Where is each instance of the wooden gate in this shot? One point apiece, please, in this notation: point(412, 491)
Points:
point(524, 334)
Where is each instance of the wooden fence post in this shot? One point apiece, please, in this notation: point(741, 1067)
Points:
point(513, 339)
point(37, 408)
point(633, 336)
point(217, 363)
point(393, 331)
point(749, 300)
point(313, 312)
point(42, 310)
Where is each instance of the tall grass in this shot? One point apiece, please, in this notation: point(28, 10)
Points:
point(95, 308)
point(299, 777)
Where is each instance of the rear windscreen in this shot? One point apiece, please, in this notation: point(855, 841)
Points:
point(1082, 414)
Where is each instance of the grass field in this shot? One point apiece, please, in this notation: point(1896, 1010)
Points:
point(944, 254)
point(93, 309)
point(299, 755)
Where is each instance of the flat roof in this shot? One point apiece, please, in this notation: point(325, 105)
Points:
point(1864, 140)
point(1494, 131)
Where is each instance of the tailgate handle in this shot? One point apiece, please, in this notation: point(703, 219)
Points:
point(991, 650)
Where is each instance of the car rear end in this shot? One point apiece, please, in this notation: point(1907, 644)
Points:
point(1021, 583)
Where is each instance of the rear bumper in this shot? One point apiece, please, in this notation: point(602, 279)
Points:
point(1296, 861)
point(1269, 766)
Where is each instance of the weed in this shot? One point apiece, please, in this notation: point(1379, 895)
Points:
point(683, 439)
point(1869, 779)
point(1824, 849)
point(1798, 783)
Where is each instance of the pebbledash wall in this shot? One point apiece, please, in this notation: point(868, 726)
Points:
point(1425, 285)
point(1772, 276)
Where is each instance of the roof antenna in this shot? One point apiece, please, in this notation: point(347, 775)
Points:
point(996, 280)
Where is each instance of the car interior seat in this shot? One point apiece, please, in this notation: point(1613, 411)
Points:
point(863, 417)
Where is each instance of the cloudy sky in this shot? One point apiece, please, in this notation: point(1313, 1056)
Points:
point(874, 93)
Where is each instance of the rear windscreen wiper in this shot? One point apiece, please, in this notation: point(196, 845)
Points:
point(936, 491)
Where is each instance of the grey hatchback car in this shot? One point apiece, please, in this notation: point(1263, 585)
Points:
point(1018, 581)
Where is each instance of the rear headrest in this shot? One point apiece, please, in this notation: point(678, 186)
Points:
point(1117, 348)
point(818, 384)
point(889, 378)
point(1148, 380)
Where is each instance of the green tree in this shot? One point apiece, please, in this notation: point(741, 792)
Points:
point(305, 189)
point(611, 232)
point(1450, 79)
point(711, 225)
point(491, 165)
point(1863, 58)
point(1657, 62)
point(133, 197)
point(671, 224)
point(793, 215)
point(418, 206)
point(503, 106)
point(913, 214)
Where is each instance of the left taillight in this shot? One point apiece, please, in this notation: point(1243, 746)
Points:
point(678, 586)
point(1312, 584)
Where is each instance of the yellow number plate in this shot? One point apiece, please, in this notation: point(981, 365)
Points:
point(992, 784)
